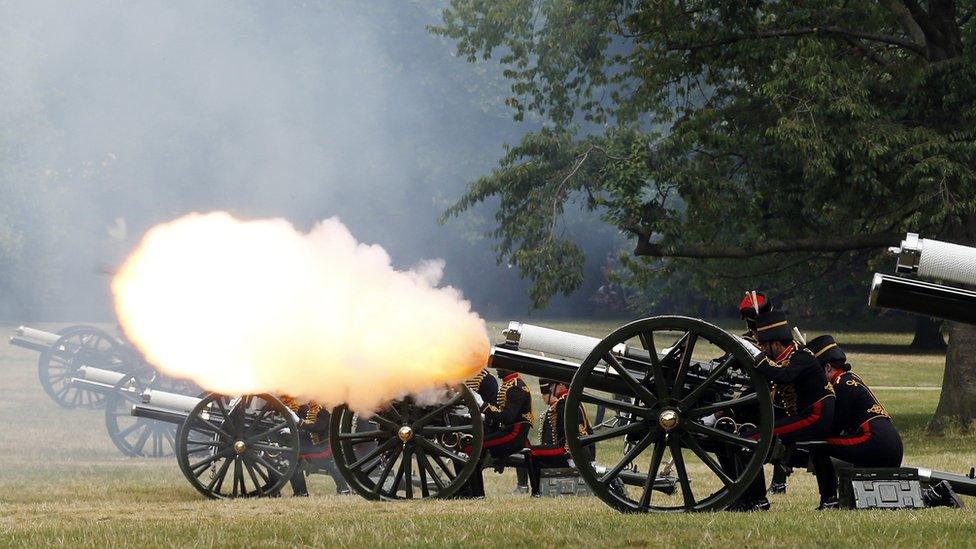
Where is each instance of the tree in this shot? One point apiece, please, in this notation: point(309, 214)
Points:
point(779, 142)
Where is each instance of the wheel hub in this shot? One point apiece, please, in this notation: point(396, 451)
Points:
point(405, 433)
point(668, 419)
point(239, 447)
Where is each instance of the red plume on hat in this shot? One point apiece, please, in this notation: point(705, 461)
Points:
point(750, 309)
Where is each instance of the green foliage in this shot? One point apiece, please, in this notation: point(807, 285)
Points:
point(713, 123)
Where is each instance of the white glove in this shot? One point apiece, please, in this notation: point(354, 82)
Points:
point(298, 420)
point(286, 431)
point(708, 421)
point(479, 400)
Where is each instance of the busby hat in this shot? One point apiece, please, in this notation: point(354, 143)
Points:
point(826, 350)
point(773, 326)
point(747, 311)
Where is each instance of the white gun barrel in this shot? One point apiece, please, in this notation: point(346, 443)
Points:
point(936, 260)
point(546, 340)
point(40, 336)
point(170, 401)
point(98, 375)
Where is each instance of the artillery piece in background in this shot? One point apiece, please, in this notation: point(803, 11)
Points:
point(84, 366)
point(254, 440)
point(64, 352)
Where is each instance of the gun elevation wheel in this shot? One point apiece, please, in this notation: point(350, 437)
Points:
point(678, 376)
point(408, 450)
point(231, 447)
point(78, 346)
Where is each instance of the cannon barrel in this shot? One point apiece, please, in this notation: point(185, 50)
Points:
point(551, 368)
point(528, 337)
point(961, 484)
point(96, 379)
point(33, 339)
point(39, 336)
point(173, 402)
point(936, 260)
point(916, 296)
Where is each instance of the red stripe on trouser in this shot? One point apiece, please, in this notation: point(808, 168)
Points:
point(854, 440)
point(547, 452)
point(507, 437)
point(317, 455)
point(801, 423)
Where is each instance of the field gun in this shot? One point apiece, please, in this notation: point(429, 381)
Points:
point(133, 436)
point(945, 268)
point(62, 353)
point(83, 366)
point(666, 402)
point(933, 275)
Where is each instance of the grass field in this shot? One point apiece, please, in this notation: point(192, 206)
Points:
point(63, 483)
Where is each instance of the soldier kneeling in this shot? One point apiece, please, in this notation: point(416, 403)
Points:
point(552, 450)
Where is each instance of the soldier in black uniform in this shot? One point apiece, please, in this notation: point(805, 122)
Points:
point(313, 434)
point(862, 432)
point(803, 389)
point(552, 450)
point(507, 424)
point(485, 385)
point(749, 311)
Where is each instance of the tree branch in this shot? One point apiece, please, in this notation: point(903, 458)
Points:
point(716, 251)
point(908, 22)
point(784, 33)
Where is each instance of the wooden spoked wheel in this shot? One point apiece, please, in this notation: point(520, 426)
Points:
point(78, 346)
point(138, 436)
point(680, 374)
point(232, 447)
point(409, 450)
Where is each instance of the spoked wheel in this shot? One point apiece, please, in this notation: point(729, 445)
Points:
point(138, 436)
point(409, 450)
point(680, 374)
point(231, 447)
point(78, 346)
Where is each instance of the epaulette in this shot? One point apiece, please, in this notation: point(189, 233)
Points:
point(474, 382)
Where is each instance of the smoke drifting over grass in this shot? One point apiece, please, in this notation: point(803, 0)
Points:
point(257, 306)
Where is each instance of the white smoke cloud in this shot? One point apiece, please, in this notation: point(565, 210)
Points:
point(257, 306)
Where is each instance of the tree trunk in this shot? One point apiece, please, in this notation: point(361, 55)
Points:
point(957, 404)
point(928, 335)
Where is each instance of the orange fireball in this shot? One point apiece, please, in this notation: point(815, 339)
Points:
point(257, 306)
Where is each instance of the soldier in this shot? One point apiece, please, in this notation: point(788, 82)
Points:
point(313, 431)
point(749, 311)
point(552, 450)
point(507, 425)
point(863, 434)
point(750, 307)
point(485, 385)
point(807, 397)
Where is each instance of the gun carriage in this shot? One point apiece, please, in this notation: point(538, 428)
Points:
point(254, 440)
point(64, 352)
point(85, 367)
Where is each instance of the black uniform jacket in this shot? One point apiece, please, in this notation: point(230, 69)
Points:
point(514, 404)
point(799, 378)
point(311, 418)
point(856, 404)
point(486, 385)
point(553, 435)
